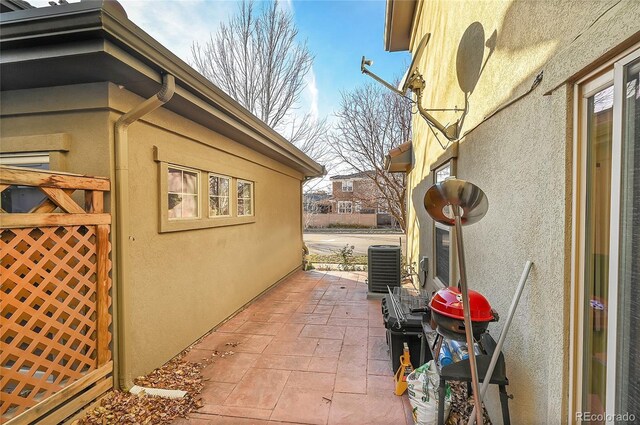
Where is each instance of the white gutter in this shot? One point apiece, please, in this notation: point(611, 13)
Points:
point(121, 187)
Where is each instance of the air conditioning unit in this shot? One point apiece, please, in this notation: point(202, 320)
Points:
point(384, 267)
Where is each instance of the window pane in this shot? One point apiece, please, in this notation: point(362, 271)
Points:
point(244, 190)
point(214, 186)
point(443, 173)
point(218, 186)
point(224, 187)
point(21, 199)
point(175, 205)
point(241, 206)
point(214, 205)
point(223, 203)
point(248, 210)
point(595, 304)
point(219, 205)
point(442, 255)
point(628, 365)
point(189, 206)
point(174, 180)
point(190, 181)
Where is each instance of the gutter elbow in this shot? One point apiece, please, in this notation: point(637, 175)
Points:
point(168, 88)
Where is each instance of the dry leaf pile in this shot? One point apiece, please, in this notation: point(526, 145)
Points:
point(119, 407)
point(462, 405)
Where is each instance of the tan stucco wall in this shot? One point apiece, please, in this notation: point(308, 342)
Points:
point(521, 158)
point(79, 111)
point(180, 284)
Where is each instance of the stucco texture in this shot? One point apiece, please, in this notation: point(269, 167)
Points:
point(180, 284)
point(482, 55)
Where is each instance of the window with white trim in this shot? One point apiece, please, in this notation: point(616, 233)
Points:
point(347, 185)
point(443, 254)
point(219, 199)
point(442, 236)
point(344, 207)
point(183, 199)
point(245, 198)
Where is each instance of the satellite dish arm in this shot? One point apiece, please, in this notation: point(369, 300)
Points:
point(363, 68)
point(450, 132)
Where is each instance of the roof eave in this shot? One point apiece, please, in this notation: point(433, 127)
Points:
point(398, 24)
point(400, 159)
point(88, 16)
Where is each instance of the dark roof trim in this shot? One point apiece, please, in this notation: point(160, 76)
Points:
point(398, 24)
point(359, 175)
point(82, 20)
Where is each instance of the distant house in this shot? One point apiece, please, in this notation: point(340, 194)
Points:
point(317, 202)
point(355, 193)
point(354, 202)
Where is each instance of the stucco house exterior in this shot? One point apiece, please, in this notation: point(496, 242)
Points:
point(549, 101)
point(206, 200)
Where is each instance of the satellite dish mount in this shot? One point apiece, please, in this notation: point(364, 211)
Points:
point(414, 81)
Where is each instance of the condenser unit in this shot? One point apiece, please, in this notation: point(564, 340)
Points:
point(384, 267)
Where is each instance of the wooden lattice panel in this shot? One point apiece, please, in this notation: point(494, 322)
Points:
point(49, 312)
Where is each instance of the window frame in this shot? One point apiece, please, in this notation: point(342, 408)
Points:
point(198, 194)
point(451, 163)
point(610, 73)
point(204, 166)
point(26, 160)
point(345, 203)
point(251, 198)
point(348, 184)
point(229, 197)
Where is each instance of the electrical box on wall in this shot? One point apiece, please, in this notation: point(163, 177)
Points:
point(424, 268)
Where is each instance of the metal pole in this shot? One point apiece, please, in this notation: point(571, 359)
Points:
point(467, 314)
point(503, 334)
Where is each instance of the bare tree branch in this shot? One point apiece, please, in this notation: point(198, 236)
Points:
point(371, 122)
point(257, 59)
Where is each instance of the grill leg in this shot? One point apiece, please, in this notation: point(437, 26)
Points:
point(441, 392)
point(504, 401)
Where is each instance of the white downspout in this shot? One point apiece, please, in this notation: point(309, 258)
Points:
point(123, 236)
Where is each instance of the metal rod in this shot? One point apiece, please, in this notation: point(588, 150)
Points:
point(503, 334)
point(380, 80)
point(467, 314)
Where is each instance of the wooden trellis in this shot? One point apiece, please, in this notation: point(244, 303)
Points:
point(55, 287)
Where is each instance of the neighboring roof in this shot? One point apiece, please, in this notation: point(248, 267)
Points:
point(359, 175)
point(400, 159)
point(13, 5)
point(398, 23)
point(94, 41)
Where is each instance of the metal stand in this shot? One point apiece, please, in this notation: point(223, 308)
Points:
point(467, 316)
point(461, 371)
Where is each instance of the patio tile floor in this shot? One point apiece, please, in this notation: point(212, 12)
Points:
point(310, 351)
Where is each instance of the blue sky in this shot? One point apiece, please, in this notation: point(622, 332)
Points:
point(338, 33)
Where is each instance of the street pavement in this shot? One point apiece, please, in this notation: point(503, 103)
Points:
point(327, 243)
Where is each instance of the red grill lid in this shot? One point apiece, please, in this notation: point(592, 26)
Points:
point(448, 302)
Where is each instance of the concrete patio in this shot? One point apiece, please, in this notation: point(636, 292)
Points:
point(311, 350)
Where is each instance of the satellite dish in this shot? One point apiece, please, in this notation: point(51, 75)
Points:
point(413, 81)
point(413, 68)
